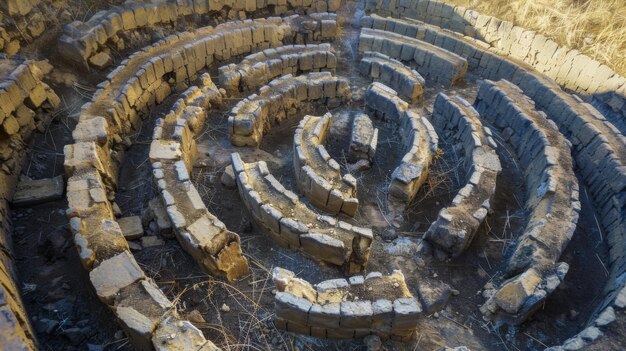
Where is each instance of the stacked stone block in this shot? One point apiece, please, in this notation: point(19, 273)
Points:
point(393, 73)
point(24, 98)
point(599, 148)
point(363, 139)
point(280, 99)
point(318, 175)
point(216, 249)
point(260, 68)
point(456, 224)
point(84, 41)
point(22, 20)
point(346, 308)
point(436, 64)
point(91, 164)
point(291, 223)
point(568, 67)
point(532, 271)
point(419, 142)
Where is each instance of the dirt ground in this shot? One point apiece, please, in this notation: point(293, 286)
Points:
point(68, 316)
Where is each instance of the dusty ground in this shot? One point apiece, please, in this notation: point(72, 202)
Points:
point(69, 316)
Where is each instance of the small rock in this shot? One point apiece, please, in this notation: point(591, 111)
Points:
point(101, 60)
point(389, 234)
point(151, 241)
point(228, 177)
point(134, 246)
point(373, 342)
point(118, 335)
point(225, 308)
point(195, 317)
point(359, 166)
point(131, 227)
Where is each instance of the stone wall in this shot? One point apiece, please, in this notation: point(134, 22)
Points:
point(258, 69)
point(568, 67)
point(278, 100)
point(418, 142)
point(456, 224)
point(317, 174)
point(291, 223)
point(24, 102)
point(551, 198)
point(393, 73)
point(172, 152)
point(85, 42)
point(21, 20)
point(142, 81)
point(598, 147)
point(436, 64)
point(346, 308)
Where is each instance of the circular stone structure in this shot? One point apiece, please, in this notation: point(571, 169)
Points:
point(405, 175)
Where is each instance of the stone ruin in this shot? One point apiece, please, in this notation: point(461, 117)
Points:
point(428, 176)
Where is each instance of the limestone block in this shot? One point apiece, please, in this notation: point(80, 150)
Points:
point(114, 274)
point(131, 227)
point(514, 293)
point(31, 192)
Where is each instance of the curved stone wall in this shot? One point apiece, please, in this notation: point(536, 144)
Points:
point(282, 97)
point(317, 174)
point(456, 224)
point(291, 223)
point(142, 81)
point(568, 67)
point(24, 101)
point(347, 308)
point(258, 69)
point(84, 41)
point(22, 21)
point(382, 68)
point(172, 152)
point(599, 148)
point(551, 198)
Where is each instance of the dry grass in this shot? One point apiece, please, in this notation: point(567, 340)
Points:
point(594, 27)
